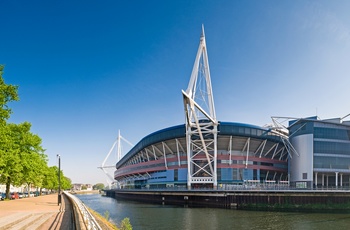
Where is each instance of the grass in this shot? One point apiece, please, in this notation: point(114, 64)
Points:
point(103, 222)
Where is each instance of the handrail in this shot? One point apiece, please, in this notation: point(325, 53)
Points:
point(88, 218)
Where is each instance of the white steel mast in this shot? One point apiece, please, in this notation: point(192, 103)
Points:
point(110, 179)
point(201, 123)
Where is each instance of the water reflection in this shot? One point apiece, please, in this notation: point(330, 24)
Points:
point(148, 216)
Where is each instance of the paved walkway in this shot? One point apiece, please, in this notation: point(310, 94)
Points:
point(40, 213)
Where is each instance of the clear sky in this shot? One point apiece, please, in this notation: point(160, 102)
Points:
point(86, 69)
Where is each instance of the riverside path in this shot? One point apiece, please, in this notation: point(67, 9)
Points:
point(40, 212)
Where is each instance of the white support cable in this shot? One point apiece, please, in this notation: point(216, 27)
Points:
point(246, 161)
point(268, 151)
point(167, 147)
point(342, 119)
point(275, 152)
point(165, 161)
point(145, 152)
point(178, 152)
point(118, 146)
point(157, 150)
point(283, 153)
point(109, 153)
point(259, 147)
point(263, 147)
point(152, 153)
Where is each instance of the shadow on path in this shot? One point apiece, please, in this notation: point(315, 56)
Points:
point(64, 220)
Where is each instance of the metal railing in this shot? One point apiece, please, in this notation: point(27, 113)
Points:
point(88, 218)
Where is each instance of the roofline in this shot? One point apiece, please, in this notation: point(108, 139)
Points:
point(325, 121)
point(140, 144)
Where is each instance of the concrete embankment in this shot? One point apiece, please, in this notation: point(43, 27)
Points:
point(245, 199)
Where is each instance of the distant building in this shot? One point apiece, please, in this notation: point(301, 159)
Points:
point(79, 187)
point(323, 148)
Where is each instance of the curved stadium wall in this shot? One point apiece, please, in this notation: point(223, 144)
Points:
point(245, 153)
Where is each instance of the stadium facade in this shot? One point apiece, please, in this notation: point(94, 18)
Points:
point(246, 153)
point(207, 153)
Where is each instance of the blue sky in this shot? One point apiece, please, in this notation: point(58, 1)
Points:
point(86, 69)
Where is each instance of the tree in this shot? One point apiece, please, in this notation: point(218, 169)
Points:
point(33, 159)
point(50, 180)
point(8, 93)
point(66, 183)
point(22, 158)
point(98, 186)
point(22, 155)
point(10, 155)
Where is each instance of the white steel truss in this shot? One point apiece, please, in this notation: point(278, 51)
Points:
point(201, 123)
point(283, 132)
point(118, 146)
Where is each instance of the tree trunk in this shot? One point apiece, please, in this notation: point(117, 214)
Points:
point(8, 184)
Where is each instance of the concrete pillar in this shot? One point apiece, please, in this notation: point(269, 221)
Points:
point(322, 179)
point(316, 179)
point(327, 181)
point(336, 179)
point(341, 179)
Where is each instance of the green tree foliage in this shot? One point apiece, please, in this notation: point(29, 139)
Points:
point(98, 186)
point(50, 180)
point(8, 93)
point(22, 158)
point(66, 183)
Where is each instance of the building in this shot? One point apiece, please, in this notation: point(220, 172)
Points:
point(204, 152)
point(80, 187)
point(323, 148)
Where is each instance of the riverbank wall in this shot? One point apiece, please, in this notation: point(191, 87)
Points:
point(325, 200)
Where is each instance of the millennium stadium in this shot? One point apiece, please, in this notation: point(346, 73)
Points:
point(207, 153)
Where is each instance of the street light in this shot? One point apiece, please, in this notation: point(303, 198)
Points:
point(59, 179)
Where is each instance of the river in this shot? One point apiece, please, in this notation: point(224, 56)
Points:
point(158, 217)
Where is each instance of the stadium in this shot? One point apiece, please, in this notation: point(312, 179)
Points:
point(204, 152)
point(245, 153)
point(207, 153)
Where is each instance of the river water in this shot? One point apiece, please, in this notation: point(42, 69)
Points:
point(154, 217)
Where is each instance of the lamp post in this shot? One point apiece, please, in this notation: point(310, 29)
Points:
point(59, 179)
